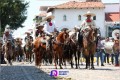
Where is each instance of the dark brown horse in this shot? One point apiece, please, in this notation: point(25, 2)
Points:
point(28, 50)
point(71, 49)
point(8, 52)
point(58, 47)
point(89, 47)
point(18, 49)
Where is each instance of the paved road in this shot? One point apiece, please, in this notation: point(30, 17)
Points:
point(25, 71)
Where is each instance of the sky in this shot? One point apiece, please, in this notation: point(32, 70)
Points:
point(33, 10)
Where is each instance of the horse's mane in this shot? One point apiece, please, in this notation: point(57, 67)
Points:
point(60, 38)
point(36, 42)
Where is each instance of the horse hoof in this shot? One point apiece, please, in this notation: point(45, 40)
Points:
point(86, 67)
point(76, 68)
point(61, 68)
point(92, 68)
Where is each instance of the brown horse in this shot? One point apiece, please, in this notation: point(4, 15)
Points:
point(28, 50)
point(58, 47)
point(8, 52)
point(89, 47)
point(41, 53)
point(18, 49)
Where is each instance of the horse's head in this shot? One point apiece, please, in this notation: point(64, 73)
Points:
point(93, 34)
point(28, 42)
point(62, 37)
point(8, 43)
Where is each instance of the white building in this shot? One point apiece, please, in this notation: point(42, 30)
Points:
point(71, 13)
point(107, 14)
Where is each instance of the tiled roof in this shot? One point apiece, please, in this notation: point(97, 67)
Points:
point(112, 17)
point(77, 5)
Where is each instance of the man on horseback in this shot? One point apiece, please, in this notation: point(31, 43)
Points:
point(8, 36)
point(49, 27)
point(28, 37)
point(88, 24)
point(87, 38)
point(39, 30)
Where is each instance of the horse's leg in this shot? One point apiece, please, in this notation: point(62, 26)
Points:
point(75, 54)
point(6, 58)
point(89, 56)
point(60, 63)
point(92, 61)
point(78, 58)
point(87, 62)
point(55, 61)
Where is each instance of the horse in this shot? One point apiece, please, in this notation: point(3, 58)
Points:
point(89, 46)
point(72, 49)
point(18, 49)
point(8, 52)
point(58, 47)
point(28, 50)
point(41, 52)
point(1, 52)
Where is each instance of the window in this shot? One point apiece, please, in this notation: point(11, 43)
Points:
point(79, 17)
point(64, 18)
point(94, 18)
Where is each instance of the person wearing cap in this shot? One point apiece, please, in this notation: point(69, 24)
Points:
point(88, 23)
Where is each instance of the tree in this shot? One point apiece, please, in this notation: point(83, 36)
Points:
point(13, 13)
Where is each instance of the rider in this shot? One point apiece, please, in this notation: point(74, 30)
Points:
point(85, 27)
point(8, 36)
point(39, 30)
point(28, 37)
point(88, 23)
point(49, 27)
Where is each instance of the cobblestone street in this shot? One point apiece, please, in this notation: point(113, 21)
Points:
point(26, 71)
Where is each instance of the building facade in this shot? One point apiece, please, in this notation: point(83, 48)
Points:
point(69, 14)
point(66, 16)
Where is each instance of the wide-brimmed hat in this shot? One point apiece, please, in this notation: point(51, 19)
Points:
point(6, 30)
point(49, 15)
point(89, 13)
point(27, 33)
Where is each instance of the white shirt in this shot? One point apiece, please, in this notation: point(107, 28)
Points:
point(85, 24)
point(49, 29)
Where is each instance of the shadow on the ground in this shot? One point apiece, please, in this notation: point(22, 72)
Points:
point(23, 73)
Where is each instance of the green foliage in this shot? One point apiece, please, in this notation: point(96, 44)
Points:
point(13, 13)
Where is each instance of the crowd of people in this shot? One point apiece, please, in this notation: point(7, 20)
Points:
point(106, 57)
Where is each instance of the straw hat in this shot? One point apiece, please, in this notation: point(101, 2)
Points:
point(27, 33)
point(89, 13)
point(49, 15)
